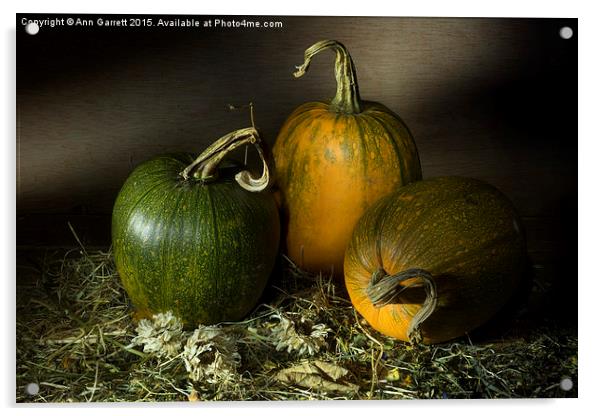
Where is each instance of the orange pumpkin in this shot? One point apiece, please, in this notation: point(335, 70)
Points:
point(333, 160)
point(458, 238)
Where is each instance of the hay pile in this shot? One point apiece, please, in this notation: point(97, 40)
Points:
point(78, 342)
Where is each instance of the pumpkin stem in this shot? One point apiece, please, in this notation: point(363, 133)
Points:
point(204, 167)
point(347, 99)
point(384, 289)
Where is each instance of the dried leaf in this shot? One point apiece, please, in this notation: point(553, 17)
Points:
point(332, 370)
point(318, 375)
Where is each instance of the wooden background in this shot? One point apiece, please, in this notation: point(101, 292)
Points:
point(494, 99)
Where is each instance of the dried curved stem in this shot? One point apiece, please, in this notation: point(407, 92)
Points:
point(347, 99)
point(385, 289)
point(204, 167)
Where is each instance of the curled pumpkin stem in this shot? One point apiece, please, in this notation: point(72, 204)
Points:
point(385, 289)
point(204, 167)
point(251, 184)
point(347, 99)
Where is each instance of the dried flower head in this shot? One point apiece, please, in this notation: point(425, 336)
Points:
point(211, 355)
point(303, 337)
point(161, 335)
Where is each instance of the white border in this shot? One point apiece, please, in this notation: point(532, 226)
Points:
point(457, 8)
point(590, 129)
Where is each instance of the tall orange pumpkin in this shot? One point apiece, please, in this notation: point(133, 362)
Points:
point(333, 160)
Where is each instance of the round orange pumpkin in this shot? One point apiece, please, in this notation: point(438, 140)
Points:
point(332, 161)
point(460, 239)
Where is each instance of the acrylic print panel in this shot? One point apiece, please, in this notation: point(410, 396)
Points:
point(146, 275)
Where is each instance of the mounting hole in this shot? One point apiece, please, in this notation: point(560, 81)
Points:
point(32, 389)
point(566, 384)
point(32, 28)
point(566, 32)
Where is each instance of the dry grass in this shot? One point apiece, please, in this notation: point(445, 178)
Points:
point(77, 340)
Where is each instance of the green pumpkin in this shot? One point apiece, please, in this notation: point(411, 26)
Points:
point(188, 238)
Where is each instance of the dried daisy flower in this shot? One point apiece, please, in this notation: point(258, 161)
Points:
point(211, 356)
point(162, 335)
point(303, 337)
